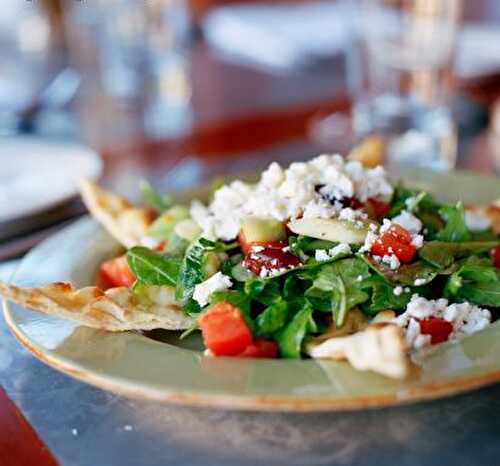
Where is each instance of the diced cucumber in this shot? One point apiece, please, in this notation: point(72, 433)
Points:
point(187, 229)
point(260, 229)
point(211, 264)
point(330, 229)
point(162, 227)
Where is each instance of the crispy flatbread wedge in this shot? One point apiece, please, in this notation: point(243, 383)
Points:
point(117, 309)
point(126, 223)
point(380, 347)
point(492, 212)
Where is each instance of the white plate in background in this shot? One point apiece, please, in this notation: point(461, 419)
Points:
point(37, 174)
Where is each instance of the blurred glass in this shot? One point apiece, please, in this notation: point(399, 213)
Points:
point(138, 52)
point(27, 51)
point(400, 72)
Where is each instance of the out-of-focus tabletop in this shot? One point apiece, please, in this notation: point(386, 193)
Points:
point(242, 119)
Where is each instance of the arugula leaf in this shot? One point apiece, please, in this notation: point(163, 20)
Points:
point(456, 228)
point(151, 268)
point(272, 319)
point(191, 269)
point(441, 254)
point(476, 281)
point(153, 198)
point(399, 198)
point(383, 297)
point(406, 274)
point(336, 287)
point(291, 336)
point(266, 292)
point(304, 244)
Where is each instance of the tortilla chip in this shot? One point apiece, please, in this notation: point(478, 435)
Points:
point(492, 212)
point(370, 151)
point(126, 223)
point(380, 348)
point(116, 310)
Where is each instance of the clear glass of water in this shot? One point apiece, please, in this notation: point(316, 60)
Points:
point(27, 51)
point(138, 52)
point(400, 73)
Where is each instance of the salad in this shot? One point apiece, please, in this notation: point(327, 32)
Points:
point(323, 259)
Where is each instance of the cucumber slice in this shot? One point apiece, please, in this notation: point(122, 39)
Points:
point(187, 229)
point(260, 229)
point(330, 229)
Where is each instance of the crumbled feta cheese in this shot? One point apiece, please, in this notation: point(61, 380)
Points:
point(350, 215)
point(408, 221)
point(322, 255)
point(370, 238)
point(410, 202)
point(466, 319)
point(217, 282)
point(420, 281)
point(257, 248)
point(386, 224)
point(477, 221)
point(398, 291)
point(310, 190)
point(417, 241)
point(392, 261)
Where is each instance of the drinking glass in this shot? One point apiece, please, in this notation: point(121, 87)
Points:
point(138, 52)
point(27, 51)
point(400, 73)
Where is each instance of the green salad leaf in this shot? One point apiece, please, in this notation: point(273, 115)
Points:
point(153, 199)
point(152, 268)
point(455, 228)
point(476, 281)
point(336, 287)
point(442, 254)
point(383, 295)
point(272, 319)
point(406, 274)
point(290, 338)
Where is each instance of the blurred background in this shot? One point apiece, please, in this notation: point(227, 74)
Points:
point(180, 91)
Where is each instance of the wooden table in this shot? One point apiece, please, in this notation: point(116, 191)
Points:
point(243, 119)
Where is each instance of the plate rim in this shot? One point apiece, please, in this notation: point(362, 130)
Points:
point(91, 154)
point(253, 402)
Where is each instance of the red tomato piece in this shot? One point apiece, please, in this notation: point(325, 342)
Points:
point(438, 329)
point(224, 330)
point(396, 240)
point(114, 273)
point(260, 349)
point(378, 209)
point(272, 257)
point(495, 256)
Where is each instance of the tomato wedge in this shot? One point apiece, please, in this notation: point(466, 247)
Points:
point(396, 240)
point(114, 273)
point(224, 330)
point(260, 349)
point(378, 209)
point(495, 256)
point(439, 329)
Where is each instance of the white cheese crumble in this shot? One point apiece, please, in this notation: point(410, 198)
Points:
point(408, 221)
point(392, 261)
point(322, 255)
point(398, 291)
point(217, 282)
point(420, 281)
point(306, 189)
point(477, 221)
point(466, 319)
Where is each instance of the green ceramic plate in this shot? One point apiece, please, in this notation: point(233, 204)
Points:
point(135, 365)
